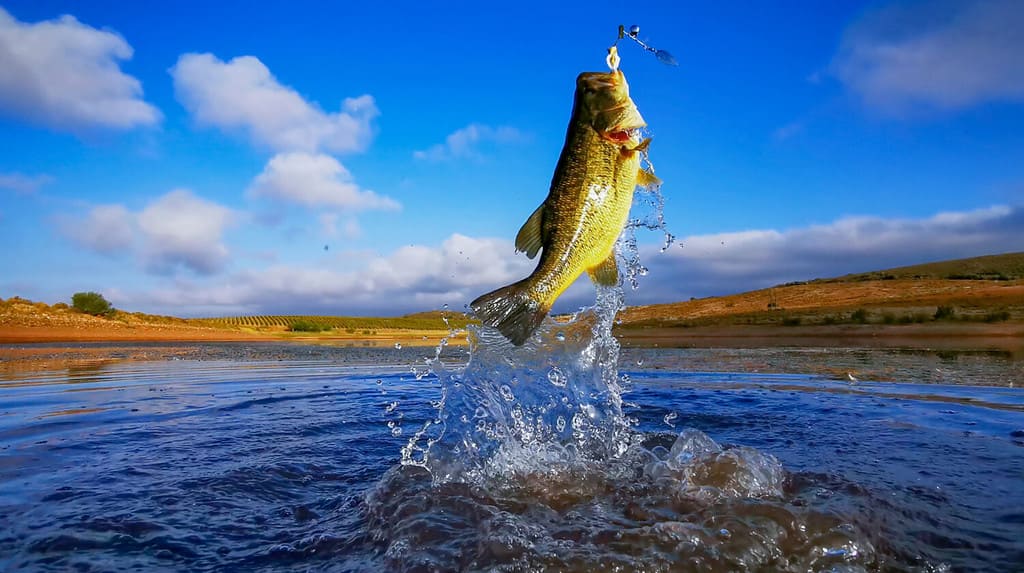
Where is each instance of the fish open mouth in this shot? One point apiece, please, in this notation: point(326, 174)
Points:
point(621, 135)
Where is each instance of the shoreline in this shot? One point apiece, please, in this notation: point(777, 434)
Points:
point(1003, 335)
point(1008, 337)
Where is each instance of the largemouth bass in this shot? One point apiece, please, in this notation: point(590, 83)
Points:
point(579, 222)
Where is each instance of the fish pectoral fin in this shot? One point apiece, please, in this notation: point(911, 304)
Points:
point(606, 273)
point(529, 239)
point(645, 178)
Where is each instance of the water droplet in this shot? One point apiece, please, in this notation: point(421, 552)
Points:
point(398, 346)
point(626, 379)
point(560, 336)
point(506, 393)
point(560, 424)
point(396, 431)
point(556, 377)
point(379, 381)
point(391, 407)
point(670, 419)
point(640, 362)
point(444, 306)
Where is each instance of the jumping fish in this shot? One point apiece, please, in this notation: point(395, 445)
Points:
point(586, 209)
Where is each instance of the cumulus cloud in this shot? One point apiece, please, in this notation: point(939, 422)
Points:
point(935, 55)
point(176, 230)
point(242, 95)
point(106, 229)
point(23, 184)
point(180, 228)
point(315, 180)
point(410, 279)
point(66, 75)
point(726, 263)
point(466, 142)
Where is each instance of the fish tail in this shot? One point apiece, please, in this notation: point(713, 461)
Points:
point(511, 310)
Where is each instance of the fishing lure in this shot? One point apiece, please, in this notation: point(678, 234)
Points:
point(633, 34)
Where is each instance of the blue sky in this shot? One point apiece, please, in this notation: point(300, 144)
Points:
point(196, 160)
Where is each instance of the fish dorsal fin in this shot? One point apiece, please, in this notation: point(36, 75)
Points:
point(606, 272)
point(529, 239)
point(647, 179)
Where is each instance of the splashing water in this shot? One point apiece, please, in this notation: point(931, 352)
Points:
point(532, 463)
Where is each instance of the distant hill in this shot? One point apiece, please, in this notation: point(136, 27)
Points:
point(981, 289)
point(1009, 266)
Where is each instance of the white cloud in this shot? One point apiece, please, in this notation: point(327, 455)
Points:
point(745, 260)
point(410, 279)
point(243, 95)
point(315, 181)
point(23, 184)
point(182, 229)
point(177, 229)
point(465, 142)
point(106, 229)
point(935, 55)
point(66, 75)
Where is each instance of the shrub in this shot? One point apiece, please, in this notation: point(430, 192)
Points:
point(91, 303)
point(945, 313)
point(888, 318)
point(829, 319)
point(60, 306)
point(307, 326)
point(997, 316)
point(859, 316)
point(791, 321)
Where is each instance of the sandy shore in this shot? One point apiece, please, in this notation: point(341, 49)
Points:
point(29, 334)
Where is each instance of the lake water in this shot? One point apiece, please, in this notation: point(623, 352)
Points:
point(275, 457)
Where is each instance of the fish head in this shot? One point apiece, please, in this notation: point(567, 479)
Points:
point(603, 103)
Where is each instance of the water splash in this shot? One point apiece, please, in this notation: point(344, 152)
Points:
point(530, 462)
point(559, 396)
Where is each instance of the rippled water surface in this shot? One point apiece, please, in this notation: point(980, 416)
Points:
point(289, 458)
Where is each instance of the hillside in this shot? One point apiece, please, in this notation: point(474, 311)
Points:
point(1008, 266)
point(981, 289)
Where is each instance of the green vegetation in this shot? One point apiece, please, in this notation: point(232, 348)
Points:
point(308, 326)
point(91, 303)
point(860, 316)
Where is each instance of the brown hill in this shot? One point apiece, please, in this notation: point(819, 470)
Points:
point(982, 289)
